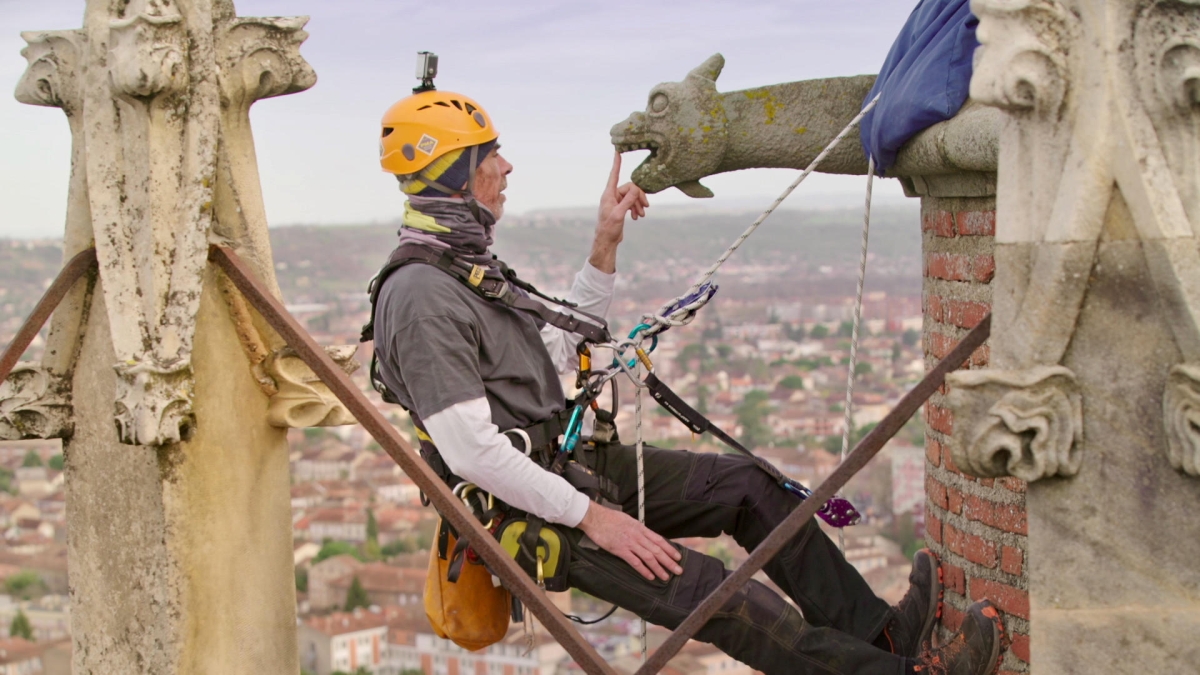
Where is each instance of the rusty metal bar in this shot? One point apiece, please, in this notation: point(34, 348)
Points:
point(75, 268)
point(374, 422)
point(866, 449)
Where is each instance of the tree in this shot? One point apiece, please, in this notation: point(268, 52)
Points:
point(794, 332)
point(819, 332)
point(724, 351)
point(357, 596)
point(752, 417)
point(910, 338)
point(862, 368)
point(846, 329)
point(32, 459)
point(21, 627)
point(331, 548)
point(23, 582)
point(792, 383)
point(702, 400)
point(56, 462)
point(372, 526)
point(301, 580)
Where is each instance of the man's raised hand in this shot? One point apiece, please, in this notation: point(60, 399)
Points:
point(616, 202)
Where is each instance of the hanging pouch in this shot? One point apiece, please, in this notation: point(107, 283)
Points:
point(540, 549)
point(470, 612)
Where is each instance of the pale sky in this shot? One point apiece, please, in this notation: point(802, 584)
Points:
point(555, 76)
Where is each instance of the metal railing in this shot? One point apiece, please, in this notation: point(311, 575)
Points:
point(519, 583)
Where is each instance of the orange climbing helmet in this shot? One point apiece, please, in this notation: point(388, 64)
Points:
point(427, 125)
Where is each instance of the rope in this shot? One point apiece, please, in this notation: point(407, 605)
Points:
point(681, 311)
point(858, 305)
point(641, 483)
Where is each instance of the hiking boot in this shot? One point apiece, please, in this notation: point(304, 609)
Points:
point(974, 650)
point(918, 612)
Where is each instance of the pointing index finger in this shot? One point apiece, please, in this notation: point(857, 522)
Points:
point(615, 175)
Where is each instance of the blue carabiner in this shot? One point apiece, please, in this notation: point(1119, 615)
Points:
point(574, 429)
point(653, 338)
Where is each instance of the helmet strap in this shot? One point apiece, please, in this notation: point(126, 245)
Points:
point(471, 203)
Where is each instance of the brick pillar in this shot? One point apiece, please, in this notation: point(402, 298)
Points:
point(976, 526)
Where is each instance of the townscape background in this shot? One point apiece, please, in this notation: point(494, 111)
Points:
point(766, 361)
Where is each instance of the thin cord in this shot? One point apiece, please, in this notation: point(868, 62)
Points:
point(858, 305)
point(686, 317)
point(641, 482)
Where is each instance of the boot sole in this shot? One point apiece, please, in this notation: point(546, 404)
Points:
point(998, 637)
point(937, 591)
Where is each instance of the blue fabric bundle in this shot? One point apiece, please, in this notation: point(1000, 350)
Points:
point(925, 79)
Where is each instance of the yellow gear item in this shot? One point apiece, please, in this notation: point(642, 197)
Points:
point(427, 126)
point(553, 555)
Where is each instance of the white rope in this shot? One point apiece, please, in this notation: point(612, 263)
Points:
point(858, 305)
point(641, 482)
point(669, 315)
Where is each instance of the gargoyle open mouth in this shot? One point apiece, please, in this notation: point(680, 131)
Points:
point(650, 145)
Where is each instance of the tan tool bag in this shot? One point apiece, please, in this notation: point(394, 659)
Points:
point(470, 611)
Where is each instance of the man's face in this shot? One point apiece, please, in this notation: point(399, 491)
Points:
point(491, 180)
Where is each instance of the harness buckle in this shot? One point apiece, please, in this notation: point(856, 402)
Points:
point(476, 276)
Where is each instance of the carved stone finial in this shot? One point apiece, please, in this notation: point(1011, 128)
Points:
point(1181, 413)
point(1025, 424)
point(261, 58)
point(52, 77)
point(34, 403)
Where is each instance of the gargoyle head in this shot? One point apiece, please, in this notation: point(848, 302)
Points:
point(684, 127)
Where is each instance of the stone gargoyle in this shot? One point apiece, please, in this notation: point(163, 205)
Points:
point(693, 131)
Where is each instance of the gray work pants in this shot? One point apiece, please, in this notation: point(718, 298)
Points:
point(703, 495)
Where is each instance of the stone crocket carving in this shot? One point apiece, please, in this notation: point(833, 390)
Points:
point(1027, 424)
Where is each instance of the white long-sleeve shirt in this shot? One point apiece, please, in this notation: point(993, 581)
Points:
point(473, 447)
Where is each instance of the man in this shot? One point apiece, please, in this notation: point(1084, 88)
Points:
point(468, 367)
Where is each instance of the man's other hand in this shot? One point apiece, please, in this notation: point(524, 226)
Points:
point(645, 550)
point(617, 202)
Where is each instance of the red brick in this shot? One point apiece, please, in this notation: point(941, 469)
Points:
point(933, 452)
point(939, 419)
point(948, 460)
point(964, 313)
point(1006, 598)
point(940, 223)
point(950, 266)
point(954, 579)
point(976, 549)
point(933, 308)
point(951, 618)
point(982, 356)
point(975, 223)
point(935, 492)
point(940, 344)
point(987, 482)
point(1014, 484)
point(1012, 560)
point(1020, 646)
point(955, 499)
point(979, 550)
point(933, 528)
point(1007, 517)
point(983, 268)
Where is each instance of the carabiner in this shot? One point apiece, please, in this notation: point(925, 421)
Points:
point(644, 327)
point(574, 429)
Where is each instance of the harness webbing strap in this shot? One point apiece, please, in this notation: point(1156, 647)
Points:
point(590, 327)
point(838, 512)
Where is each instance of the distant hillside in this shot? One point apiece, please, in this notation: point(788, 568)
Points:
point(315, 262)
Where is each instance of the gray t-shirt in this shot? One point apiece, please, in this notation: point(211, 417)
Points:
point(440, 344)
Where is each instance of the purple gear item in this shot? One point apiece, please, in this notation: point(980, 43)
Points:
point(838, 512)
